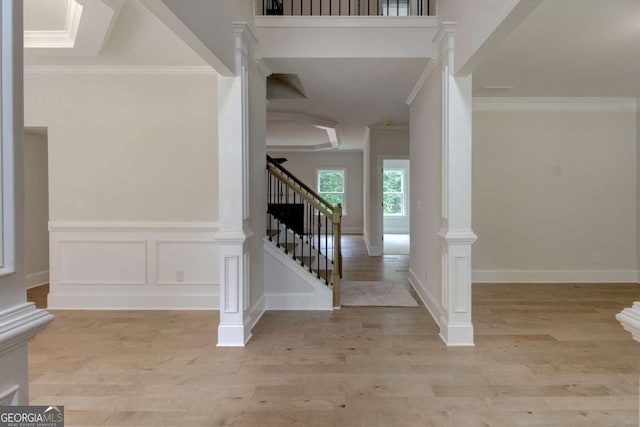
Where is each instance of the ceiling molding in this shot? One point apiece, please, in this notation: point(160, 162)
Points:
point(317, 147)
point(262, 66)
point(551, 104)
point(327, 125)
point(424, 77)
point(119, 69)
point(390, 127)
point(57, 39)
point(403, 22)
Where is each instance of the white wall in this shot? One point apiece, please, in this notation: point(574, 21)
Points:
point(425, 266)
point(304, 166)
point(399, 224)
point(383, 142)
point(554, 196)
point(132, 175)
point(36, 214)
point(638, 186)
point(258, 201)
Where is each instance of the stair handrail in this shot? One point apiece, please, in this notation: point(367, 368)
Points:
point(333, 213)
point(271, 163)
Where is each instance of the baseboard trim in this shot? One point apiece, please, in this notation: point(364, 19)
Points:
point(37, 279)
point(133, 301)
point(568, 276)
point(352, 230)
point(291, 301)
point(427, 299)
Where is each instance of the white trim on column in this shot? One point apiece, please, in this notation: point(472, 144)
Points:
point(20, 324)
point(630, 320)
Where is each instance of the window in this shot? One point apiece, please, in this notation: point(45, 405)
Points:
point(395, 7)
point(393, 192)
point(331, 186)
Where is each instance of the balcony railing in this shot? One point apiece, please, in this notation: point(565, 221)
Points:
point(346, 7)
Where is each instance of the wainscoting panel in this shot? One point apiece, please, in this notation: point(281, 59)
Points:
point(113, 266)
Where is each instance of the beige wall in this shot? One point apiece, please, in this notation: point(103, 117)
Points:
point(554, 193)
point(36, 202)
point(128, 147)
point(304, 166)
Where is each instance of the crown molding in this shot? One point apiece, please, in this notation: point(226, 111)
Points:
point(424, 77)
point(298, 148)
point(57, 39)
point(402, 126)
point(120, 69)
point(262, 66)
point(555, 104)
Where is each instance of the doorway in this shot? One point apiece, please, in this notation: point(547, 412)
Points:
point(396, 220)
point(36, 208)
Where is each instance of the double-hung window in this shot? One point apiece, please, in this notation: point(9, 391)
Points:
point(395, 7)
point(331, 184)
point(393, 192)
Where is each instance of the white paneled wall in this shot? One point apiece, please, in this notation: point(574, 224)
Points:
point(133, 266)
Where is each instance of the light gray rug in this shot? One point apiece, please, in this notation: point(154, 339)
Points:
point(382, 294)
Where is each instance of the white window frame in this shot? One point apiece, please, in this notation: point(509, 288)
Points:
point(403, 171)
point(344, 190)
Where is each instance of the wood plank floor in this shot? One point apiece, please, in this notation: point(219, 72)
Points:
point(545, 355)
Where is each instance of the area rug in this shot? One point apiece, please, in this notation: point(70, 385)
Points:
point(382, 294)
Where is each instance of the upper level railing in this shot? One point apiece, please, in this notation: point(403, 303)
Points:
point(310, 225)
point(346, 7)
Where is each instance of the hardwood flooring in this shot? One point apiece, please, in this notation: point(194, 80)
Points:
point(545, 355)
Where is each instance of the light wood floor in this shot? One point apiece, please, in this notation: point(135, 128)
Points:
point(545, 355)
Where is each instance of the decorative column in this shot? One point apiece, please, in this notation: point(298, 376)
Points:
point(233, 195)
point(20, 321)
point(456, 234)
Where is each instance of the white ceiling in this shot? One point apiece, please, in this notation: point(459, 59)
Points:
point(568, 48)
point(137, 38)
point(355, 93)
point(45, 15)
point(289, 134)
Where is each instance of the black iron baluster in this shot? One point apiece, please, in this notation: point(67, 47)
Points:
point(301, 8)
point(293, 225)
point(326, 249)
point(339, 7)
point(311, 10)
point(310, 235)
point(268, 203)
point(319, 241)
point(320, 13)
point(349, 7)
point(278, 209)
point(359, 8)
point(286, 222)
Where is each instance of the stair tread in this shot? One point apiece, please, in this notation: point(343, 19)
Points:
point(273, 232)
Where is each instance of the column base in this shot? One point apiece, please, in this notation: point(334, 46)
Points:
point(233, 335)
point(456, 335)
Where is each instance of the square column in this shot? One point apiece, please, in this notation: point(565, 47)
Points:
point(233, 178)
point(457, 237)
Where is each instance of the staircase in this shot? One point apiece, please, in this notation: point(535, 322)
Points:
point(305, 229)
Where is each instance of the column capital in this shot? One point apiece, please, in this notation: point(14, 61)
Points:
point(444, 38)
point(457, 237)
point(244, 35)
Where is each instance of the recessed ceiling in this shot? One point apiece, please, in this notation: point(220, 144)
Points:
point(45, 15)
point(569, 48)
point(355, 93)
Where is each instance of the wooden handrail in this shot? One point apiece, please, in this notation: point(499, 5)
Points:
point(271, 162)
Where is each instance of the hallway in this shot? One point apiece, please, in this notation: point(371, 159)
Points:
point(545, 354)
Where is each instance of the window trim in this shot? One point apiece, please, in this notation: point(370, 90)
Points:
point(344, 177)
point(403, 192)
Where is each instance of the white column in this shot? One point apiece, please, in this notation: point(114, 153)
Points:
point(233, 199)
point(19, 321)
point(456, 234)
